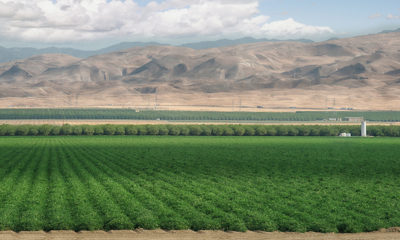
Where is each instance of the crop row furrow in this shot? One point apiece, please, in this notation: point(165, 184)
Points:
point(305, 217)
point(16, 163)
point(172, 195)
point(84, 215)
point(229, 183)
point(113, 217)
point(10, 209)
point(163, 213)
point(201, 185)
point(33, 208)
point(58, 206)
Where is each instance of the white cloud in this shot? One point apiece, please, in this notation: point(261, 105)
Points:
point(75, 20)
point(292, 28)
point(392, 17)
point(375, 16)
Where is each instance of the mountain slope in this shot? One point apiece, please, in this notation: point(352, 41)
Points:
point(11, 54)
point(361, 72)
point(229, 42)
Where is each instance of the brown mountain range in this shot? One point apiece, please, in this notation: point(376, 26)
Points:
point(359, 73)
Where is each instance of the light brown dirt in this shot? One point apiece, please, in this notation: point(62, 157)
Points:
point(190, 235)
point(282, 100)
point(145, 122)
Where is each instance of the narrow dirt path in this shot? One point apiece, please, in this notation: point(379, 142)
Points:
point(158, 122)
point(190, 235)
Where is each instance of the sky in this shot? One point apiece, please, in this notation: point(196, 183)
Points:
point(92, 24)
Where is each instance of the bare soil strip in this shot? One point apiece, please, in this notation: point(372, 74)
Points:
point(155, 122)
point(191, 235)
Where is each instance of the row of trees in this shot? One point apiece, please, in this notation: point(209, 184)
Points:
point(193, 130)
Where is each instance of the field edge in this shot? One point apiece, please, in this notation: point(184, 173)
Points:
point(384, 234)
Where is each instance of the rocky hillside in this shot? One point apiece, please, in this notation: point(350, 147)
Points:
point(366, 66)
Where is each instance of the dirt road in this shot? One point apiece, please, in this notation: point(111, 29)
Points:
point(190, 235)
point(141, 122)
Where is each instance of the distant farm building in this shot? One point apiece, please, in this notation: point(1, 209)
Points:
point(353, 119)
point(345, 135)
point(334, 119)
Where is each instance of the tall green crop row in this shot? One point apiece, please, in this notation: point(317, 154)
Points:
point(130, 200)
point(83, 213)
point(33, 208)
point(58, 212)
point(16, 187)
point(195, 130)
point(292, 227)
point(168, 219)
point(112, 216)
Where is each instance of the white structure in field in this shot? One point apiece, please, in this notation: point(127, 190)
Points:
point(345, 134)
point(363, 128)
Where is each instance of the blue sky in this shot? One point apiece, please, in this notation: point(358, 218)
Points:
point(350, 16)
point(344, 16)
point(93, 24)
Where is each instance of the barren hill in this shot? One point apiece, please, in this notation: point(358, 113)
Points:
point(360, 73)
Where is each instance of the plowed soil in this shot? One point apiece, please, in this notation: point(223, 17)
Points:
point(190, 235)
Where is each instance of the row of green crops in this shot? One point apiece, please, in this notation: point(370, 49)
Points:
point(249, 183)
point(195, 130)
point(193, 115)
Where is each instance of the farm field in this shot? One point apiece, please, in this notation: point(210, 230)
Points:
point(297, 184)
point(200, 116)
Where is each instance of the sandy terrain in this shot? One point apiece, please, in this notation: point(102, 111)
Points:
point(190, 235)
point(282, 100)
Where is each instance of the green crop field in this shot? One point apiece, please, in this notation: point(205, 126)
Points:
point(324, 184)
point(98, 113)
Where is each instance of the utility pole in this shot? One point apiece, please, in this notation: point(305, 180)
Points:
point(155, 101)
